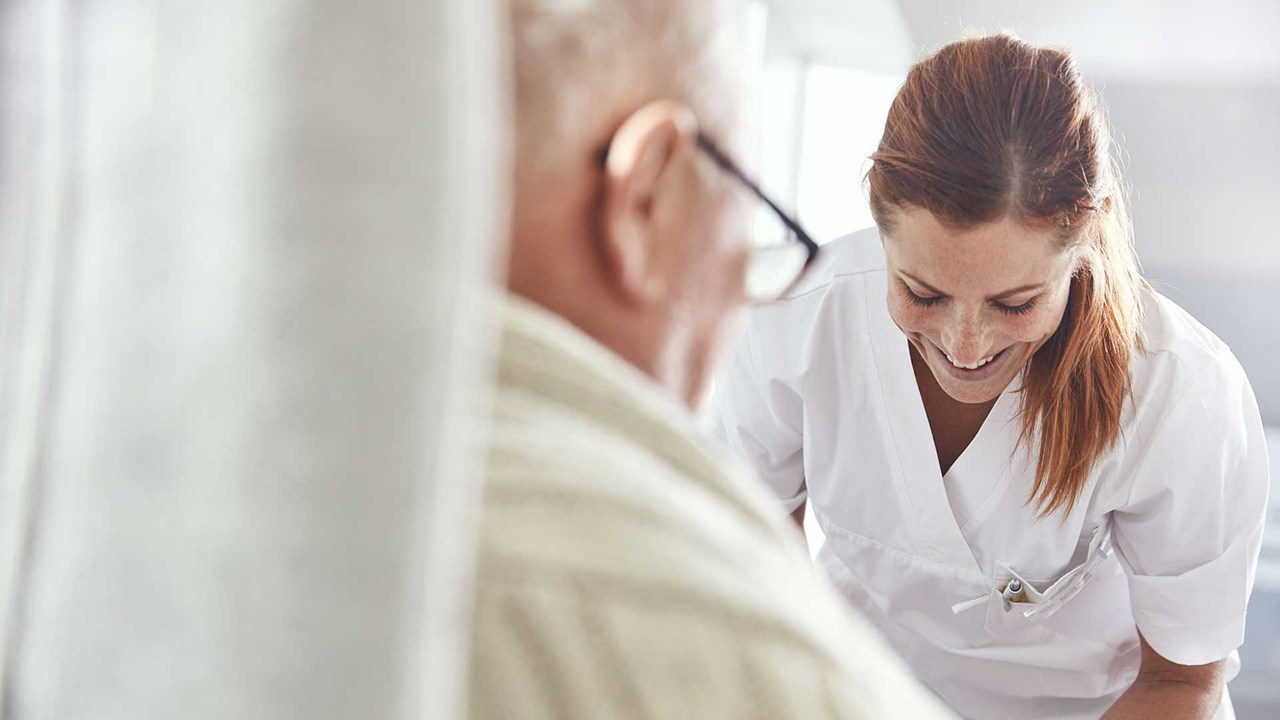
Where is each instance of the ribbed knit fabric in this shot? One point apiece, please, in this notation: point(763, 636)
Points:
point(627, 571)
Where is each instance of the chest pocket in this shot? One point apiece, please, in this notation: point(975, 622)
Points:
point(1018, 606)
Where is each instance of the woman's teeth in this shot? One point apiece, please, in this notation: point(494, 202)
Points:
point(972, 366)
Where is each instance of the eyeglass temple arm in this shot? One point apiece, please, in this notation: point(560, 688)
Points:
point(721, 159)
point(728, 165)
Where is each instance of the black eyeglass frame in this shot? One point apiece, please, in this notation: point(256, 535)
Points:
point(725, 163)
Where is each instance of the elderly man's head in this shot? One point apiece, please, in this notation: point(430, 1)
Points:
point(621, 224)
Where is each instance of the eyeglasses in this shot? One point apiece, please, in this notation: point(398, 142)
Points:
point(781, 251)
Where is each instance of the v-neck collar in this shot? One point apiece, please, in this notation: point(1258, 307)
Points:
point(974, 465)
point(921, 478)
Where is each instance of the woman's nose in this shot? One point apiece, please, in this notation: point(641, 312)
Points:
point(967, 337)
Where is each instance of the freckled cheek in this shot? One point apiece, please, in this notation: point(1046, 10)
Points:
point(1028, 330)
point(910, 318)
point(1033, 328)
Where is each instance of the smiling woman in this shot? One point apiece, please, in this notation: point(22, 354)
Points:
point(1040, 479)
point(975, 202)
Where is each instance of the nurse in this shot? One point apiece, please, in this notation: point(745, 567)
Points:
point(1043, 481)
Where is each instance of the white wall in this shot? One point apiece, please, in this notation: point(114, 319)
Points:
point(844, 115)
point(1204, 163)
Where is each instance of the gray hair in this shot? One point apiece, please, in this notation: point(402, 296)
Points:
point(579, 61)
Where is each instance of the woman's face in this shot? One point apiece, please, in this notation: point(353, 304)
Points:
point(978, 303)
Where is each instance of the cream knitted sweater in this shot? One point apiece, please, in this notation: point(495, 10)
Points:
point(627, 571)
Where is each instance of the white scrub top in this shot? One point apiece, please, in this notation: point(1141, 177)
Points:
point(820, 398)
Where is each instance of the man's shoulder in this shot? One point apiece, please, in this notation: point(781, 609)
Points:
point(578, 649)
point(563, 491)
point(571, 503)
point(605, 565)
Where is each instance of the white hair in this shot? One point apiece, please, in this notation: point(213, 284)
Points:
point(578, 62)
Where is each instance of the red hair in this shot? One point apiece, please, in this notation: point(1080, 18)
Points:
point(993, 127)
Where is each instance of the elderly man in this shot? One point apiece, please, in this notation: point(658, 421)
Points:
point(624, 569)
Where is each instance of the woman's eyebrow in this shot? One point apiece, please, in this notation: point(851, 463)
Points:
point(1017, 291)
point(997, 296)
point(921, 283)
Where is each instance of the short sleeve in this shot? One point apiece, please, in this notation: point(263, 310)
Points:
point(1189, 534)
point(758, 418)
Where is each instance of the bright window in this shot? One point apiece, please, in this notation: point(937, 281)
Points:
point(844, 113)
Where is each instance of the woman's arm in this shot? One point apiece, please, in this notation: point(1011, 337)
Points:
point(1188, 537)
point(1169, 691)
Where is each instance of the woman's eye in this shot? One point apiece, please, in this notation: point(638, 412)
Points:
point(1022, 309)
point(922, 301)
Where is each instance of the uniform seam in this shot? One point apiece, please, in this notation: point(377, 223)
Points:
point(1198, 376)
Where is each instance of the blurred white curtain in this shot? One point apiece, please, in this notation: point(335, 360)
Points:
point(242, 247)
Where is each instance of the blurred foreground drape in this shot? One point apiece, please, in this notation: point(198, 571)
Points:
point(241, 250)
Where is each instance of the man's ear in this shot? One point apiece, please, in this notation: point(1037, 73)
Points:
point(641, 157)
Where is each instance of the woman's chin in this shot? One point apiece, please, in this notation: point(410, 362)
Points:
point(969, 394)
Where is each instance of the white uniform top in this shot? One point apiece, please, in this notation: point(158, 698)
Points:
point(820, 398)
